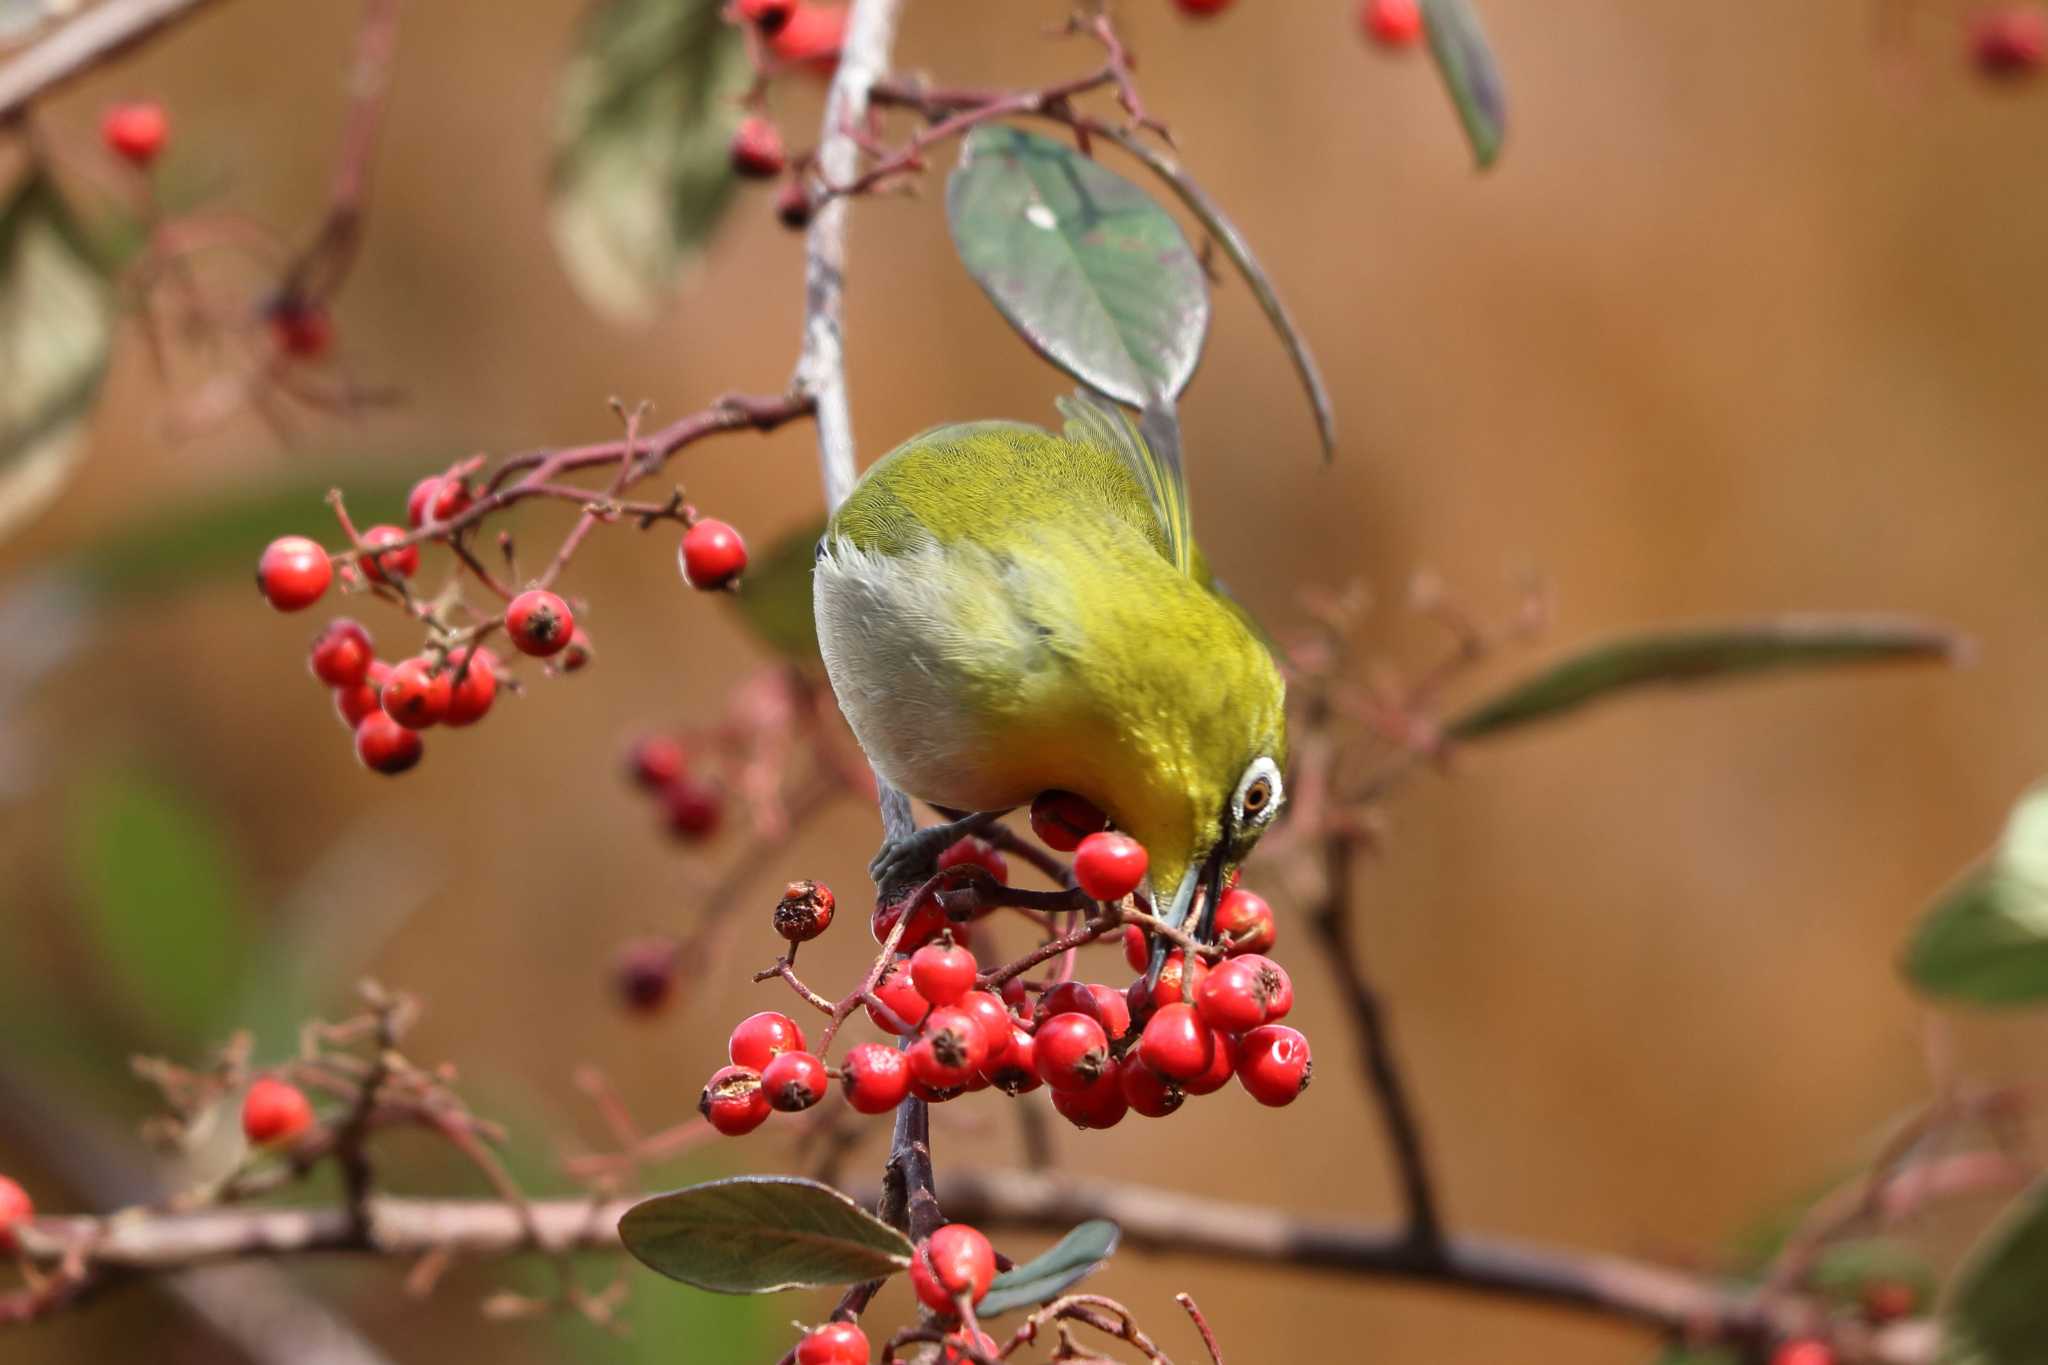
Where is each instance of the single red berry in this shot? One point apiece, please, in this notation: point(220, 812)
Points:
point(436, 498)
point(934, 1094)
point(812, 35)
point(927, 922)
point(694, 809)
point(1886, 1301)
point(1069, 997)
point(836, 1343)
point(16, 1209)
point(1273, 1064)
point(274, 1111)
point(950, 1050)
point(539, 623)
point(1176, 1043)
point(136, 132)
point(1016, 995)
point(953, 1351)
point(577, 654)
point(1146, 1091)
point(341, 653)
point(293, 573)
point(1109, 866)
point(384, 565)
point(644, 974)
point(760, 1038)
point(1392, 23)
point(875, 1077)
point(757, 150)
point(972, 851)
point(942, 972)
point(1112, 1010)
point(794, 1081)
point(994, 1017)
point(1231, 997)
point(353, 703)
point(1201, 9)
point(712, 555)
point(385, 746)
point(1244, 923)
point(1222, 1066)
point(301, 329)
point(1015, 1070)
point(804, 912)
point(1804, 1352)
point(416, 694)
point(2010, 41)
point(1170, 987)
point(1101, 1105)
point(472, 684)
point(1274, 984)
point(961, 1260)
point(768, 16)
point(896, 990)
point(1061, 820)
point(1072, 1051)
point(1137, 948)
point(654, 761)
point(793, 207)
point(733, 1102)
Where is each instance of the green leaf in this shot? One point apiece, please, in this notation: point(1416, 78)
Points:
point(1702, 654)
point(1084, 264)
point(762, 1233)
point(56, 328)
point(156, 882)
point(775, 596)
point(1985, 938)
point(1046, 1277)
point(642, 173)
point(1998, 1315)
point(1465, 61)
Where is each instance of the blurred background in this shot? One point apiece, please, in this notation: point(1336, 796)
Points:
point(1750, 318)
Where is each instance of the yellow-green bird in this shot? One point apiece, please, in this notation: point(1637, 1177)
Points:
point(1005, 611)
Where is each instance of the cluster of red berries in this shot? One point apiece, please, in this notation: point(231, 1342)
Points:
point(956, 1262)
point(793, 33)
point(692, 806)
point(1391, 23)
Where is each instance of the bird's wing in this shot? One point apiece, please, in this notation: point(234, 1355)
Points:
point(1151, 447)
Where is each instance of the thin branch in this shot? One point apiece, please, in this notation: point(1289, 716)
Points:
point(98, 35)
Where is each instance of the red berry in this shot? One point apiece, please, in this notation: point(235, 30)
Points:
point(437, 498)
point(645, 974)
point(1061, 820)
point(1101, 1105)
point(16, 1209)
point(1806, 1352)
point(655, 761)
point(293, 573)
point(994, 1017)
point(1221, 1068)
point(577, 654)
point(473, 686)
point(794, 1081)
point(1273, 1064)
point(804, 912)
point(385, 746)
point(539, 623)
point(757, 150)
point(875, 1077)
point(1231, 997)
point(1274, 984)
point(274, 1111)
point(793, 207)
point(733, 1102)
point(1148, 1092)
point(136, 132)
point(1015, 1071)
point(942, 972)
point(836, 1343)
point(1112, 1011)
point(1137, 948)
point(301, 329)
point(1392, 23)
point(768, 16)
point(927, 922)
point(384, 565)
point(1176, 1043)
point(760, 1038)
point(950, 1050)
point(694, 809)
point(416, 694)
point(812, 34)
point(1109, 866)
point(899, 993)
point(1888, 1300)
point(341, 654)
point(1169, 988)
point(1202, 9)
point(976, 852)
point(954, 1260)
point(353, 703)
point(1072, 1051)
point(1071, 997)
point(712, 555)
point(2010, 41)
point(1244, 923)
point(954, 1349)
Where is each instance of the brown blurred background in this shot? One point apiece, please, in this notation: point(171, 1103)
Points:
point(1749, 319)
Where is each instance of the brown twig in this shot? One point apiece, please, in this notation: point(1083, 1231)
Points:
point(100, 34)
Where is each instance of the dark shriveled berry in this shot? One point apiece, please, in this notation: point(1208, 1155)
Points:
point(804, 912)
point(644, 974)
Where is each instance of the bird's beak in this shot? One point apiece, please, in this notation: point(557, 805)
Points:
point(1209, 870)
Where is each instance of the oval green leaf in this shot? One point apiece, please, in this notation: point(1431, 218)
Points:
point(1984, 941)
point(1998, 1315)
point(760, 1234)
point(1046, 1277)
point(642, 169)
point(1092, 273)
point(1465, 61)
point(1704, 654)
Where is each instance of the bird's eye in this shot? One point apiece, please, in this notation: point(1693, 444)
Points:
point(1258, 793)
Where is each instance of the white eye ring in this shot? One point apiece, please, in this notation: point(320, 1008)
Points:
point(1247, 807)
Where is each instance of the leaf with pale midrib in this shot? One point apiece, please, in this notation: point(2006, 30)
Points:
point(1044, 1278)
point(760, 1234)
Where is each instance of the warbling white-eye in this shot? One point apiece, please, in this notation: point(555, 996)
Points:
point(1005, 611)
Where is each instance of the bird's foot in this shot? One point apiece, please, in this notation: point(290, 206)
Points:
point(914, 857)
